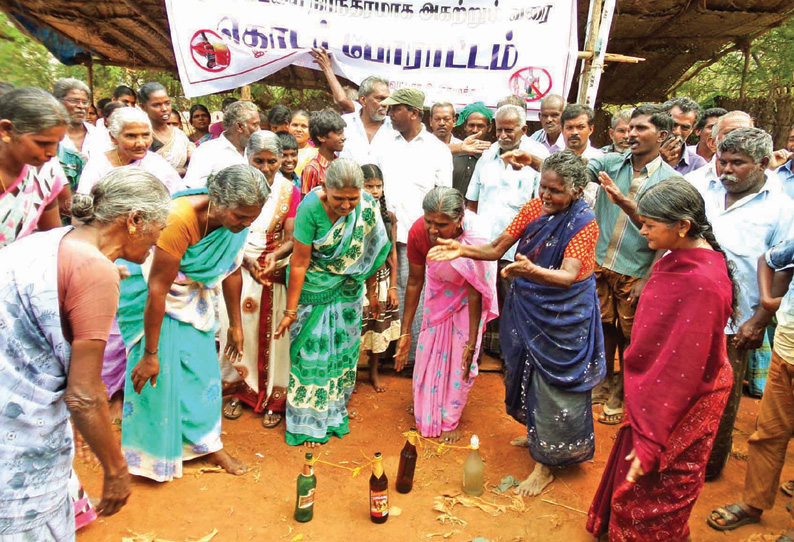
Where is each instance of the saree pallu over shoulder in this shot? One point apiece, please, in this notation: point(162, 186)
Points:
point(341, 260)
point(559, 328)
point(440, 392)
point(190, 299)
point(326, 336)
point(36, 454)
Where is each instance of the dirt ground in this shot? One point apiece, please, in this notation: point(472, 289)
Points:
point(259, 505)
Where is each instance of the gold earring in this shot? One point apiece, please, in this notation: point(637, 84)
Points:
point(6, 139)
point(682, 234)
point(132, 230)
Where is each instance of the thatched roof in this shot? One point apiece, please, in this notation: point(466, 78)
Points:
point(671, 34)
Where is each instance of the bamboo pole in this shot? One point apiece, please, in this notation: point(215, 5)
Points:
point(245, 93)
point(612, 57)
point(745, 72)
point(593, 23)
point(90, 66)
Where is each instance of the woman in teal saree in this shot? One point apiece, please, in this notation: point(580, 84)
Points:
point(340, 242)
point(172, 396)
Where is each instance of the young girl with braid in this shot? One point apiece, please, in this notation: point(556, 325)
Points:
point(378, 333)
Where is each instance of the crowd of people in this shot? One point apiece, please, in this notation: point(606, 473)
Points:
point(150, 269)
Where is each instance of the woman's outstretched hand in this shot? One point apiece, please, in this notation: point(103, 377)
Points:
point(446, 249)
point(522, 267)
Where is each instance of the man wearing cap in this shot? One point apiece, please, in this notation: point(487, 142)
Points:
point(413, 162)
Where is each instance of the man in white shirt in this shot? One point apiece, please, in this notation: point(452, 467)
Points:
point(577, 125)
point(550, 135)
point(702, 177)
point(240, 120)
point(413, 162)
point(81, 137)
point(369, 127)
point(497, 192)
point(749, 214)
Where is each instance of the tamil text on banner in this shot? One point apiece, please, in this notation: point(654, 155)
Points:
point(458, 51)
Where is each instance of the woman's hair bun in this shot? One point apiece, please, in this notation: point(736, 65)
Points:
point(83, 207)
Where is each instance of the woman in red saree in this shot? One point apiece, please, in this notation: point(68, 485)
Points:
point(677, 375)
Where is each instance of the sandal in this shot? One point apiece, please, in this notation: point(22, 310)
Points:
point(275, 419)
point(233, 409)
point(783, 538)
point(734, 517)
point(600, 396)
point(788, 488)
point(611, 416)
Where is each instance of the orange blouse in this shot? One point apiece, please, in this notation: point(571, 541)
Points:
point(581, 247)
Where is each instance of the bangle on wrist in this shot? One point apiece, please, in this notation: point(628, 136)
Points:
point(392, 288)
point(404, 335)
point(151, 352)
point(291, 312)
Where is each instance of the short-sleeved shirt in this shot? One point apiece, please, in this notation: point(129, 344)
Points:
point(780, 257)
point(552, 146)
point(418, 243)
point(786, 176)
point(314, 173)
point(410, 170)
point(581, 247)
point(88, 291)
point(690, 161)
point(746, 230)
point(311, 219)
point(620, 247)
point(209, 159)
point(358, 147)
point(183, 229)
point(500, 192)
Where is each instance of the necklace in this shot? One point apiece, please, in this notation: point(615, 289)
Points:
point(118, 158)
point(207, 225)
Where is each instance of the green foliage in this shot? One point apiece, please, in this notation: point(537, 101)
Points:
point(771, 69)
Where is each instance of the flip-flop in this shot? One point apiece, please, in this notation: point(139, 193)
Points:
point(734, 517)
point(784, 538)
point(788, 488)
point(271, 424)
point(233, 409)
point(611, 416)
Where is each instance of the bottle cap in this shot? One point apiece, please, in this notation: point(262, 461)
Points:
point(308, 456)
point(475, 442)
point(377, 455)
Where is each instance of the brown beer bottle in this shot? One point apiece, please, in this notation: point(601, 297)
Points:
point(378, 492)
point(405, 473)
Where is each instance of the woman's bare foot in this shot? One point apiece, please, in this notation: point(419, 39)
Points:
point(450, 437)
point(228, 463)
point(521, 442)
point(374, 378)
point(312, 444)
point(537, 481)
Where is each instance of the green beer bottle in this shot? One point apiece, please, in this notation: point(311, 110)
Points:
point(307, 483)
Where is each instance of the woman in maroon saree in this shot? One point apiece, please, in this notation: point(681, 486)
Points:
point(677, 376)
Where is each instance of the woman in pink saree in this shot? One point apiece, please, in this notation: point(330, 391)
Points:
point(460, 298)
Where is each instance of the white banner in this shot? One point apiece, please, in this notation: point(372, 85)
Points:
point(459, 51)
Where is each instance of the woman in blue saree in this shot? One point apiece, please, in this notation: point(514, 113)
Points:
point(340, 242)
point(551, 332)
point(172, 396)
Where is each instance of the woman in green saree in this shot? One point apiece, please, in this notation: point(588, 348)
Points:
point(172, 395)
point(340, 242)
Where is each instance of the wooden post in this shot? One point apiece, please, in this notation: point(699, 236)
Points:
point(596, 39)
point(245, 93)
point(593, 20)
point(745, 72)
point(90, 66)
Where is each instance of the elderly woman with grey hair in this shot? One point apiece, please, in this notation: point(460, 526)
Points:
point(261, 374)
point(131, 135)
point(172, 396)
point(552, 339)
point(460, 298)
point(60, 292)
point(340, 242)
